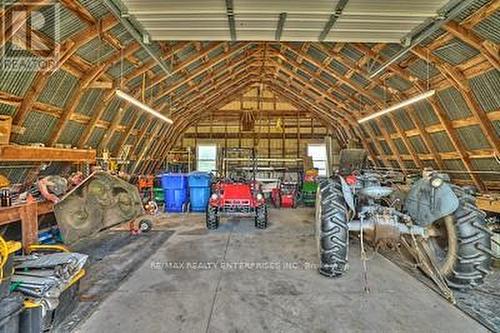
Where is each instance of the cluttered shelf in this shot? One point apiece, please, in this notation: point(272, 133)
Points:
point(27, 214)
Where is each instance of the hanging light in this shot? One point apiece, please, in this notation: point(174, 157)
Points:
point(398, 106)
point(142, 106)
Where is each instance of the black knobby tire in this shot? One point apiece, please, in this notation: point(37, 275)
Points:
point(261, 217)
point(277, 201)
point(145, 225)
point(332, 231)
point(212, 218)
point(467, 256)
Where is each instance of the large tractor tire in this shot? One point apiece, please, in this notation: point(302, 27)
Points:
point(332, 231)
point(212, 218)
point(261, 217)
point(462, 246)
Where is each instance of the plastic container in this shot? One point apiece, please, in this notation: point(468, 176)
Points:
point(10, 309)
point(199, 179)
point(309, 193)
point(31, 319)
point(175, 187)
point(159, 194)
point(199, 190)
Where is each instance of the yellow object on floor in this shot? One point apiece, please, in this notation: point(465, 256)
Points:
point(6, 249)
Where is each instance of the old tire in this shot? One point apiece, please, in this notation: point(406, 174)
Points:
point(212, 218)
point(332, 231)
point(261, 217)
point(463, 252)
point(145, 225)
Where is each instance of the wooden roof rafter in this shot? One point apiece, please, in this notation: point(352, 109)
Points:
point(185, 113)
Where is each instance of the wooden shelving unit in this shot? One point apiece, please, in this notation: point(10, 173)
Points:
point(13, 153)
point(28, 213)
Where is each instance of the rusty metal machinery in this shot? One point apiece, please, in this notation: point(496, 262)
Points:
point(99, 202)
point(437, 223)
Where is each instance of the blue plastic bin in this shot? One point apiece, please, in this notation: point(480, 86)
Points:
point(175, 186)
point(199, 190)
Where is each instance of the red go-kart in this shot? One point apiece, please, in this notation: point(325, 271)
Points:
point(236, 199)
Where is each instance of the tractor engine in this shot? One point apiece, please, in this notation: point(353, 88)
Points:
point(380, 223)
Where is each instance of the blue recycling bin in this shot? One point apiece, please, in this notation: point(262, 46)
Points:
point(199, 190)
point(175, 186)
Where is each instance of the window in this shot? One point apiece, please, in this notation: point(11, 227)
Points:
point(206, 157)
point(318, 154)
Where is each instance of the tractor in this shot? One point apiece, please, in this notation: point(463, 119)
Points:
point(237, 198)
point(436, 222)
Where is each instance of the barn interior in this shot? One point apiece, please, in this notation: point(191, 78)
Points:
point(144, 145)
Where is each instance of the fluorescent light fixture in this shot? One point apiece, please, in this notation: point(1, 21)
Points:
point(399, 105)
point(142, 106)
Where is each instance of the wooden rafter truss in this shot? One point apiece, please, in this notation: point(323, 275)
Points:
point(206, 76)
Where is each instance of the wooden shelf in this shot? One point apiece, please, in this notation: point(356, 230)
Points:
point(13, 153)
point(28, 215)
point(489, 203)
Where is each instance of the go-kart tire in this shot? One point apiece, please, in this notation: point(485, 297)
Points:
point(332, 231)
point(212, 218)
point(145, 225)
point(261, 217)
point(467, 247)
point(276, 201)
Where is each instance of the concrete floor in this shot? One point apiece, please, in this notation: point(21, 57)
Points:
point(289, 297)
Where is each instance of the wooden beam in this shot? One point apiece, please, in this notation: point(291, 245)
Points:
point(443, 118)
point(455, 140)
point(146, 146)
point(30, 98)
point(426, 138)
point(214, 61)
point(80, 10)
point(186, 63)
point(115, 122)
point(17, 19)
point(477, 16)
point(490, 52)
point(249, 135)
point(82, 87)
point(391, 144)
point(126, 135)
point(406, 141)
point(178, 47)
point(484, 123)
point(489, 203)
point(360, 70)
point(459, 80)
point(36, 154)
point(82, 38)
point(42, 77)
point(185, 119)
